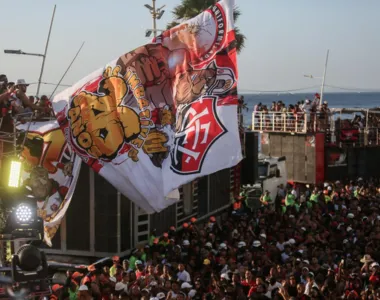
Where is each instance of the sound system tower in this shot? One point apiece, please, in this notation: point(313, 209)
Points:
point(250, 162)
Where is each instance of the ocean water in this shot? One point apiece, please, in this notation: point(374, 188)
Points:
point(366, 100)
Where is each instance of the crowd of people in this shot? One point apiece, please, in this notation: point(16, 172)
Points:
point(303, 243)
point(304, 115)
point(14, 100)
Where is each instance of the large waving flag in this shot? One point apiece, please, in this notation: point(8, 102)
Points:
point(161, 115)
point(50, 171)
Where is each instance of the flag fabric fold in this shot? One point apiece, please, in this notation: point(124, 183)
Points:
point(50, 172)
point(161, 115)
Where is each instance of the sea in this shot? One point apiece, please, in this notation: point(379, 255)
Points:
point(339, 100)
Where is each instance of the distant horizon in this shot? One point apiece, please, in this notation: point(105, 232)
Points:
point(245, 92)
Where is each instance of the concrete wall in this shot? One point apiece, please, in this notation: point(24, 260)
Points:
point(299, 151)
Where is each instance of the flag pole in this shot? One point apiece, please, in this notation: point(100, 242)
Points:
point(68, 68)
point(44, 55)
point(323, 80)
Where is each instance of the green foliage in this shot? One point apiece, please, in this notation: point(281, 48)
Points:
point(191, 8)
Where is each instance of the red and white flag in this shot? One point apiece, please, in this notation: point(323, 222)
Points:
point(162, 115)
point(50, 171)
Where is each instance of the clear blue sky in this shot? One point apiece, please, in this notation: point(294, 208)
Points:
point(285, 39)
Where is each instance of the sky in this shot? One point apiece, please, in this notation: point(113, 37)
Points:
point(285, 40)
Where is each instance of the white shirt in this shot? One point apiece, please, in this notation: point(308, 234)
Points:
point(307, 108)
point(280, 246)
point(224, 270)
point(16, 102)
point(271, 288)
point(284, 257)
point(308, 288)
point(184, 276)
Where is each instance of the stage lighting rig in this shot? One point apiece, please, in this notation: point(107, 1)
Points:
point(23, 223)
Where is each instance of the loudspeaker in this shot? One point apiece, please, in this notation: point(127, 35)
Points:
point(250, 162)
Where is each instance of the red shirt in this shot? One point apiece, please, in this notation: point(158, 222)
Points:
point(245, 283)
point(374, 279)
point(252, 290)
point(139, 274)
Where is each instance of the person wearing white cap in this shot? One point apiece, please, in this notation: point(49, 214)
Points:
point(83, 293)
point(256, 244)
point(222, 246)
point(208, 245)
point(119, 288)
point(20, 101)
point(263, 236)
point(186, 285)
point(139, 269)
point(225, 277)
point(187, 288)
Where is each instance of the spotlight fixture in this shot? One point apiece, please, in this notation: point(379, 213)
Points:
point(23, 214)
point(29, 263)
point(23, 223)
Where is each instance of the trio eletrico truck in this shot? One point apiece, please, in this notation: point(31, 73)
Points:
point(261, 173)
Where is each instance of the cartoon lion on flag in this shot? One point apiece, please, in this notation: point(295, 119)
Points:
point(103, 127)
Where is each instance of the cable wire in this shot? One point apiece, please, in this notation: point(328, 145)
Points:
point(351, 89)
point(284, 91)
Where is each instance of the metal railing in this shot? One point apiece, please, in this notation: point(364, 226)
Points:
point(12, 134)
point(288, 122)
point(337, 131)
point(354, 137)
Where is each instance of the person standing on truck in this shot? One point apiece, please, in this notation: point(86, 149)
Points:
point(266, 199)
point(239, 205)
point(314, 197)
point(116, 263)
point(290, 201)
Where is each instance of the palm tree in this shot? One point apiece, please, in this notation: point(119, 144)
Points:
point(191, 8)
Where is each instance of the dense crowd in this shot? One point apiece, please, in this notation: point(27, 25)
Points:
point(303, 243)
point(303, 106)
point(304, 115)
point(14, 100)
point(310, 115)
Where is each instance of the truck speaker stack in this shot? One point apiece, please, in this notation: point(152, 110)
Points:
point(250, 162)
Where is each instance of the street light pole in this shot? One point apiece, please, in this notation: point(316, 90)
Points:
point(323, 79)
point(154, 15)
point(19, 52)
point(44, 55)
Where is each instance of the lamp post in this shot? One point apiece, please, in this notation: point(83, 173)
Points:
point(156, 15)
point(323, 79)
point(148, 32)
point(20, 52)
